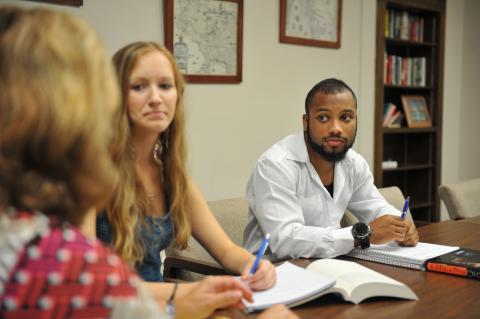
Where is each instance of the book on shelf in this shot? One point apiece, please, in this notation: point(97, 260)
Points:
point(388, 112)
point(402, 256)
point(406, 71)
point(404, 25)
point(462, 262)
point(296, 285)
point(396, 120)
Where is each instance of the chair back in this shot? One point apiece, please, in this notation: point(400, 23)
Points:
point(232, 215)
point(393, 195)
point(461, 199)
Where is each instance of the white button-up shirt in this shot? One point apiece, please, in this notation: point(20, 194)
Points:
point(288, 200)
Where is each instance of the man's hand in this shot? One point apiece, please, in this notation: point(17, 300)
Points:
point(387, 228)
point(411, 237)
point(210, 294)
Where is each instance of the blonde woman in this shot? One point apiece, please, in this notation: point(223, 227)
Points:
point(156, 203)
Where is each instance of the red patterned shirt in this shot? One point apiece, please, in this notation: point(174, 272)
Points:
point(49, 270)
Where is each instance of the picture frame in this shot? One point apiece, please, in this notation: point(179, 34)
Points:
point(416, 111)
point(73, 3)
point(311, 22)
point(206, 38)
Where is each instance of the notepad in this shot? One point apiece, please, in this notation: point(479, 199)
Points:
point(295, 285)
point(394, 254)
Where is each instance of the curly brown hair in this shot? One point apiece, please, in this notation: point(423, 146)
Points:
point(57, 99)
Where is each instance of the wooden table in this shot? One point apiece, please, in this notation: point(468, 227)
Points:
point(440, 295)
point(474, 220)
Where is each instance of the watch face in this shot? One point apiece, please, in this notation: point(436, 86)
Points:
point(361, 229)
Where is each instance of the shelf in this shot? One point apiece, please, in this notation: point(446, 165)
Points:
point(408, 130)
point(405, 87)
point(408, 43)
point(408, 168)
point(417, 150)
point(421, 204)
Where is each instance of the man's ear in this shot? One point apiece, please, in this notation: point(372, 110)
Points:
point(305, 122)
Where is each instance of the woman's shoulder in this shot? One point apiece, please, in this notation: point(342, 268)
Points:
point(60, 268)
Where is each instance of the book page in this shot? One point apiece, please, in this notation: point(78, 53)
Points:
point(356, 282)
point(294, 285)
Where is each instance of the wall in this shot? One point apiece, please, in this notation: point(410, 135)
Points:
point(470, 106)
point(229, 126)
point(460, 147)
point(452, 94)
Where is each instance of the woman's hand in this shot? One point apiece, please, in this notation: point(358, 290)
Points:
point(264, 277)
point(210, 294)
point(277, 312)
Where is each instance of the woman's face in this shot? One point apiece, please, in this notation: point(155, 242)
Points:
point(152, 96)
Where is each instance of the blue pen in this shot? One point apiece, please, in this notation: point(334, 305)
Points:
point(405, 207)
point(262, 250)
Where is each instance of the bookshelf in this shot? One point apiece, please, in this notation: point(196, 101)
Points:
point(410, 40)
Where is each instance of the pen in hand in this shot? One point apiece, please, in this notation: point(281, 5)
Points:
point(262, 250)
point(405, 207)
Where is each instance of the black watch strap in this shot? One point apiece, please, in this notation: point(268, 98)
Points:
point(364, 242)
point(361, 235)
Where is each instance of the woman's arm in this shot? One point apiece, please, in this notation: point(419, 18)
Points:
point(210, 234)
point(201, 299)
point(162, 291)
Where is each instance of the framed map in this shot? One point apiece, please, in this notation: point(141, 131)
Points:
point(205, 37)
point(311, 22)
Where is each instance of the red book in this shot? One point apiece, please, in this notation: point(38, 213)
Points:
point(461, 262)
point(388, 113)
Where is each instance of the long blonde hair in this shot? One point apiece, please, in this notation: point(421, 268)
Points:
point(125, 208)
point(57, 98)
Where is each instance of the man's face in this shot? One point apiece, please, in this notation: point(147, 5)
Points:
point(331, 125)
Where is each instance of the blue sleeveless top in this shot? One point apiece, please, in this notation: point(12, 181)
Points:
point(156, 237)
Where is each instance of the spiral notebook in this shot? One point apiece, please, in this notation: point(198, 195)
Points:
point(408, 257)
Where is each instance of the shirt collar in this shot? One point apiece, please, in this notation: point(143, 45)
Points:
point(298, 150)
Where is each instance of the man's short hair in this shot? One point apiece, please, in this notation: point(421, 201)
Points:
point(328, 86)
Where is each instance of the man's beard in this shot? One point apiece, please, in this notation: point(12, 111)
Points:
point(329, 156)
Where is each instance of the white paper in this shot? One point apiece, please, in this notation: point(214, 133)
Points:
point(294, 284)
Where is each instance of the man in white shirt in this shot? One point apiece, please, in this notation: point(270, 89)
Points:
point(301, 187)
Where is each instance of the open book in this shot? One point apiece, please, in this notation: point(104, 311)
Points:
point(394, 254)
point(356, 282)
point(296, 285)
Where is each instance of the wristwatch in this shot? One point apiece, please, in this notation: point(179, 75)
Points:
point(361, 235)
